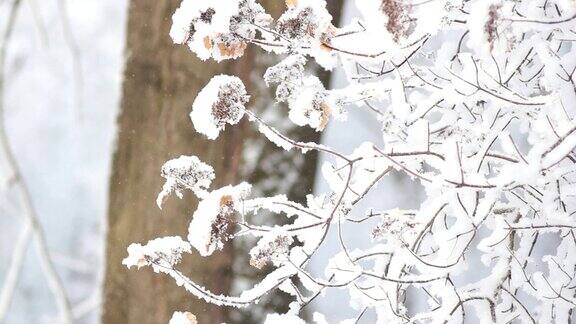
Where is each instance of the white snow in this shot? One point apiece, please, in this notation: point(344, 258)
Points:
point(185, 172)
point(183, 318)
point(160, 253)
point(209, 227)
point(219, 103)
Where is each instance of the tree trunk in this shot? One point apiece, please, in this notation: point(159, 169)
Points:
point(161, 81)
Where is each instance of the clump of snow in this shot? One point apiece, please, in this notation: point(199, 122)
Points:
point(161, 253)
point(183, 318)
point(309, 106)
point(185, 172)
point(211, 222)
point(221, 102)
point(283, 319)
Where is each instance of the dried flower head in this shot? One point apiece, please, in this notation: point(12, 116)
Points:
point(305, 20)
point(221, 102)
point(185, 172)
point(491, 27)
point(161, 253)
point(288, 75)
point(217, 29)
point(299, 26)
point(270, 248)
point(396, 12)
point(210, 226)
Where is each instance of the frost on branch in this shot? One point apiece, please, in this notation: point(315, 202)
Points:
point(214, 217)
point(161, 253)
point(185, 172)
point(221, 102)
point(396, 224)
point(217, 29)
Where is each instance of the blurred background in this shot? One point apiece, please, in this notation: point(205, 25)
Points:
point(62, 68)
point(94, 97)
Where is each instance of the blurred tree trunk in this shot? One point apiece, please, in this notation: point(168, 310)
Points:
point(161, 81)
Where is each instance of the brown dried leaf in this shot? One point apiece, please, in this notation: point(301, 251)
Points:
point(396, 13)
point(291, 3)
point(326, 111)
point(191, 317)
point(226, 201)
point(208, 42)
point(234, 50)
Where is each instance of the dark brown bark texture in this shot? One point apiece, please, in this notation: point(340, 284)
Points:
point(161, 81)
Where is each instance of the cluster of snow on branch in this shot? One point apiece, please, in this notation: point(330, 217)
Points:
point(221, 102)
point(161, 253)
point(185, 172)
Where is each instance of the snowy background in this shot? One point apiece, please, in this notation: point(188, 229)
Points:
point(63, 79)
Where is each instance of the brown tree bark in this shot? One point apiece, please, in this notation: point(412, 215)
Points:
point(161, 81)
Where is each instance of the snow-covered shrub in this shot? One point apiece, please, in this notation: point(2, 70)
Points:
point(477, 102)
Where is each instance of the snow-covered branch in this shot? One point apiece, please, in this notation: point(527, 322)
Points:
point(476, 104)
